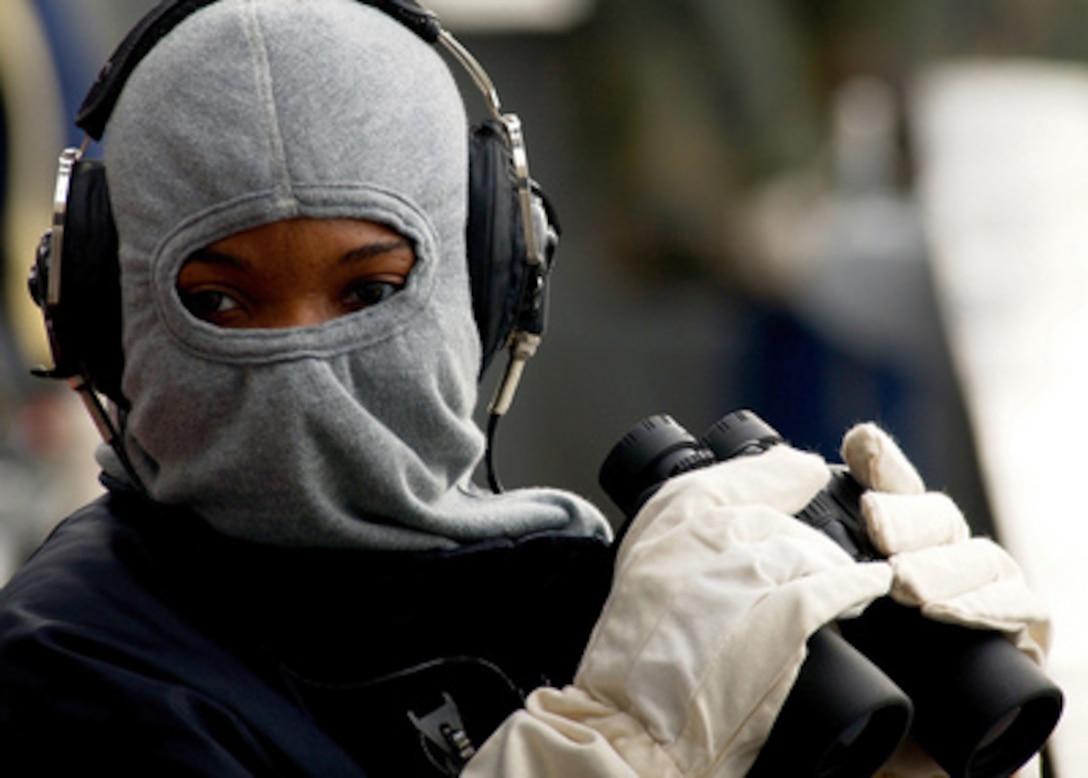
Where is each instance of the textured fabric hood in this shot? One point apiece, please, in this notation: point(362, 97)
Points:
point(355, 432)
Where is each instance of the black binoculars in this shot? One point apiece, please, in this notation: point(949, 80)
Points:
point(976, 704)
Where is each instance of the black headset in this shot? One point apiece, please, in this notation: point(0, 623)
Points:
point(511, 234)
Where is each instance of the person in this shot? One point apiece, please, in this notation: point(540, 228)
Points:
point(292, 572)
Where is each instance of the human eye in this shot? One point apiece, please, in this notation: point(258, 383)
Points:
point(216, 288)
point(209, 305)
point(371, 291)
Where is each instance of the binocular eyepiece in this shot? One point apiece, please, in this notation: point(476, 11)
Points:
point(977, 705)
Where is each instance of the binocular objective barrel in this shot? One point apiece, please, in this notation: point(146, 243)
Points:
point(977, 705)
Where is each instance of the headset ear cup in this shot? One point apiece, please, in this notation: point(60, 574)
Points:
point(87, 321)
point(495, 239)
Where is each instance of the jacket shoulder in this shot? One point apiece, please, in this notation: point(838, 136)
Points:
point(100, 667)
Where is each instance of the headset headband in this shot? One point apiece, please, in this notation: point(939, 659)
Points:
point(95, 111)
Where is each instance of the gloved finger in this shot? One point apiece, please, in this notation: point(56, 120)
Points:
point(1008, 607)
point(877, 462)
point(942, 573)
point(976, 584)
point(781, 478)
point(907, 522)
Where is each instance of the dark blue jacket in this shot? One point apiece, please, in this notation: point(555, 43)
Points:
point(137, 641)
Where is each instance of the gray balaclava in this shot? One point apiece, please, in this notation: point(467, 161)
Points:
point(357, 432)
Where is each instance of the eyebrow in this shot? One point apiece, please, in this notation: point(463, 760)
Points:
point(367, 251)
point(376, 249)
point(210, 257)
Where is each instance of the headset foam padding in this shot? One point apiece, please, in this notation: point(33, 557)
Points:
point(496, 242)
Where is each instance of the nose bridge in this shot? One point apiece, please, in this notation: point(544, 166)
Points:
point(297, 310)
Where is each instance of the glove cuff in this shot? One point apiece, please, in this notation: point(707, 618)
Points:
point(571, 710)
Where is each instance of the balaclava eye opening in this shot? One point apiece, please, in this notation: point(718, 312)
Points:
point(356, 432)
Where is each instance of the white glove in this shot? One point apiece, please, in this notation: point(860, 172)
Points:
point(716, 590)
point(938, 567)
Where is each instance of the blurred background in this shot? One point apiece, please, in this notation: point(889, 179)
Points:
point(823, 210)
